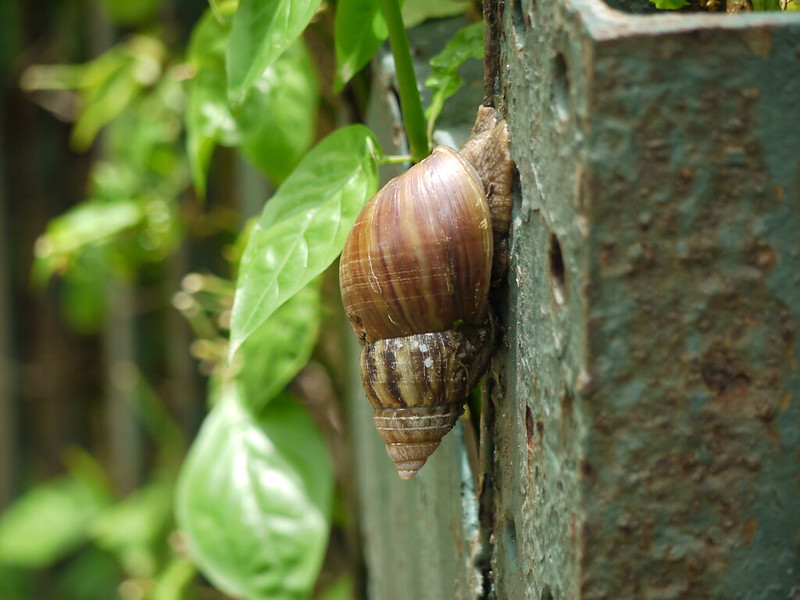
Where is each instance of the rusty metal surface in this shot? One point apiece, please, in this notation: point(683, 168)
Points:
point(647, 444)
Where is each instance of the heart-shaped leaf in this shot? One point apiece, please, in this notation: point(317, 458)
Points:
point(254, 499)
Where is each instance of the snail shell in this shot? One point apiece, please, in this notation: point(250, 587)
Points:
point(415, 276)
point(419, 256)
point(417, 385)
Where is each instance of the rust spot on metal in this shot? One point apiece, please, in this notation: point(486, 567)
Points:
point(722, 374)
point(749, 530)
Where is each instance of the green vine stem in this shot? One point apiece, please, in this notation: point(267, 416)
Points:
point(410, 102)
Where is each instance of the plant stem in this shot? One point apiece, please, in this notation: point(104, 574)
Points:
point(394, 159)
point(410, 102)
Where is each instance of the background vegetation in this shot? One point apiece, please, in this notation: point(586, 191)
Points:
point(140, 141)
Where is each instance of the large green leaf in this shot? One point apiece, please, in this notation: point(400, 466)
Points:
point(303, 227)
point(359, 30)
point(262, 30)
point(254, 500)
point(276, 351)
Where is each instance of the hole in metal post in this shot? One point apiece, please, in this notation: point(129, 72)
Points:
point(529, 434)
point(560, 87)
point(557, 271)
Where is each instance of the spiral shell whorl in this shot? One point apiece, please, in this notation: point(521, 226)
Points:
point(417, 385)
point(420, 253)
point(412, 434)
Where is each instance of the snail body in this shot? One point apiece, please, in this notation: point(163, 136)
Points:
point(415, 276)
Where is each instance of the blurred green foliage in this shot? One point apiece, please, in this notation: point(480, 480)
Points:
point(253, 498)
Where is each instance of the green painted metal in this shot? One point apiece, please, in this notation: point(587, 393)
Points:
point(647, 442)
point(640, 431)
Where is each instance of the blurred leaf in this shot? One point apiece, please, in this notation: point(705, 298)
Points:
point(262, 30)
point(208, 117)
point(84, 297)
point(125, 12)
point(208, 121)
point(146, 141)
point(417, 11)
point(766, 4)
point(359, 30)
point(254, 500)
point(276, 351)
point(91, 222)
point(90, 574)
point(444, 79)
point(276, 123)
point(172, 582)
point(341, 589)
point(133, 528)
point(106, 85)
point(112, 81)
point(669, 4)
point(131, 216)
point(16, 583)
point(278, 118)
point(302, 228)
point(48, 522)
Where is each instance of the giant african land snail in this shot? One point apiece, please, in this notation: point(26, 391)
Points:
point(415, 275)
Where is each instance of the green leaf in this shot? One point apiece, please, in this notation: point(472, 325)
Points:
point(341, 589)
point(254, 500)
point(125, 12)
point(49, 522)
point(111, 82)
point(275, 125)
point(302, 228)
point(171, 584)
point(277, 120)
point(133, 528)
point(262, 30)
point(89, 574)
point(84, 287)
point(766, 4)
point(417, 11)
point(359, 30)
point(276, 351)
point(669, 4)
point(91, 222)
point(444, 79)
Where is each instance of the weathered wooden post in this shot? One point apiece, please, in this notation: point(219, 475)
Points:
point(640, 431)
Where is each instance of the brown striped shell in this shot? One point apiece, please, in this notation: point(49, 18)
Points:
point(417, 385)
point(415, 276)
point(419, 256)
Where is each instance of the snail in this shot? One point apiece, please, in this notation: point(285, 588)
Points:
point(415, 276)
